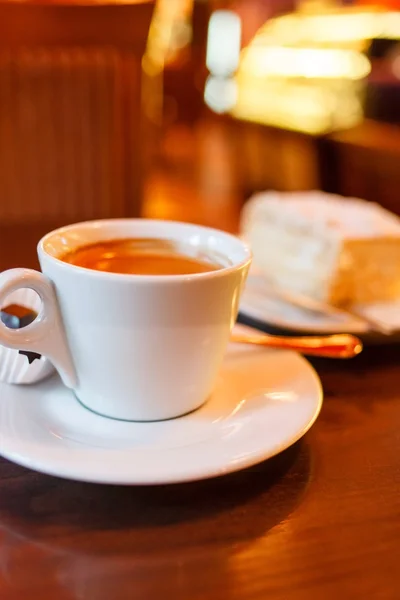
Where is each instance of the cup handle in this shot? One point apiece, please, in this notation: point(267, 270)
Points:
point(46, 334)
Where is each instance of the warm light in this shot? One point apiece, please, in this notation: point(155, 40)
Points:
point(332, 27)
point(223, 43)
point(220, 94)
point(305, 62)
point(306, 71)
point(391, 26)
point(170, 30)
point(298, 106)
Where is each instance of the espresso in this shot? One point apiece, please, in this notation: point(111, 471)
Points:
point(139, 257)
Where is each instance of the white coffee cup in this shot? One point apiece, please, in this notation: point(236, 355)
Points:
point(132, 347)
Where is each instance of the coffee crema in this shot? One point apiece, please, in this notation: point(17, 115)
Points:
point(142, 256)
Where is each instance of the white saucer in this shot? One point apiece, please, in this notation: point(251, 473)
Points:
point(257, 304)
point(264, 402)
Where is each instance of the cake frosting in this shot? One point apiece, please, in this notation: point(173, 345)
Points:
point(339, 250)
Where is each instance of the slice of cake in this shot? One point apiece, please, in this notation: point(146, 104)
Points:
point(338, 250)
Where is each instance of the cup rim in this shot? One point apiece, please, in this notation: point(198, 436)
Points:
point(93, 273)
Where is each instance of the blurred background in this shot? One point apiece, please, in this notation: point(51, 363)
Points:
point(182, 109)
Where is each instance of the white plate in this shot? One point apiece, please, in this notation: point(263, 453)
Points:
point(270, 310)
point(264, 402)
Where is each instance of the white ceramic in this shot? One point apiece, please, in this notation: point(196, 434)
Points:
point(15, 368)
point(258, 305)
point(263, 402)
point(132, 347)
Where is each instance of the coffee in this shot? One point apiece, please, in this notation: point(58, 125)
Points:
point(139, 257)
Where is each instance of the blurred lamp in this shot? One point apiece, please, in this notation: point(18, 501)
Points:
point(220, 94)
point(223, 43)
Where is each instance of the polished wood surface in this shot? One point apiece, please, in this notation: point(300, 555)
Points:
point(321, 520)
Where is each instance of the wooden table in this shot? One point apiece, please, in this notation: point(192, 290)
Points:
point(320, 521)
